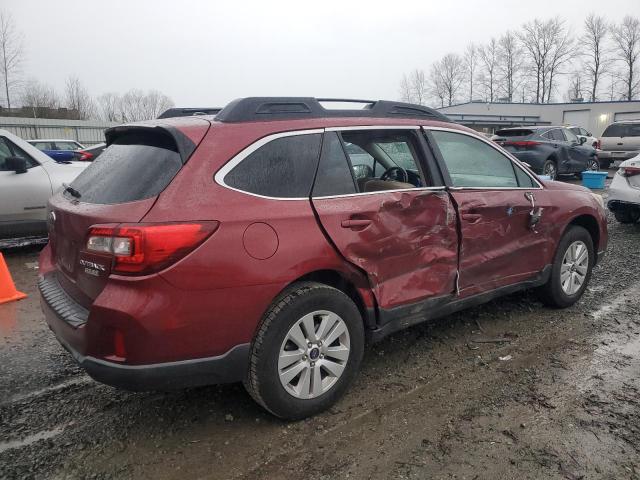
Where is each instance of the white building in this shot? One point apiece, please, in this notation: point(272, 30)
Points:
point(594, 116)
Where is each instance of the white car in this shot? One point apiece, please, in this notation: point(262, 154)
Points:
point(581, 133)
point(28, 178)
point(624, 191)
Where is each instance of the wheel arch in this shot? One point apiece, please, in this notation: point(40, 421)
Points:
point(590, 224)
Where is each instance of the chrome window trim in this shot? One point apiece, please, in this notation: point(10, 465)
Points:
point(231, 164)
point(500, 150)
point(416, 189)
point(373, 127)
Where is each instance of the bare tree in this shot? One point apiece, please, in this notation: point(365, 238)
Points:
point(575, 91)
point(405, 90)
point(452, 74)
point(471, 65)
point(436, 84)
point(562, 49)
point(489, 73)
point(626, 37)
point(509, 64)
point(593, 41)
point(77, 98)
point(10, 54)
point(38, 96)
point(109, 106)
point(535, 38)
point(418, 83)
point(136, 105)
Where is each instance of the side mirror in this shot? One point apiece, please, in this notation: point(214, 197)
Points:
point(17, 164)
point(589, 134)
point(582, 140)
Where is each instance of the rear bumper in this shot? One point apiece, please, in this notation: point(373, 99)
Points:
point(616, 155)
point(228, 368)
point(72, 325)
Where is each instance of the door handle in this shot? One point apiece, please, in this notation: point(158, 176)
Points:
point(472, 217)
point(355, 223)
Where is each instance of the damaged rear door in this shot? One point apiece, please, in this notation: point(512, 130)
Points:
point(382, 210)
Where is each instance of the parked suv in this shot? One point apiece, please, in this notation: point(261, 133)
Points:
point(620, 141)
point(267, 243)
point(551, 151)
point(583, 133)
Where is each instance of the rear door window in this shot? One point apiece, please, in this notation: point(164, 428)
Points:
point(633, 130)
point(283, 168)
point(136, 166)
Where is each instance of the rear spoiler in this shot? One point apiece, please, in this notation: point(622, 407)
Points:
point(183, 143)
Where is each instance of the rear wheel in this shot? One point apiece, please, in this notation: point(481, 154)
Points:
point(571, 269)
point(307, 351)
point(628, 215)
point(550, 169)
point(593, 165)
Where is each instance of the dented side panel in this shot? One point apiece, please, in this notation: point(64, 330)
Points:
point(498, 245)
point(408, 250)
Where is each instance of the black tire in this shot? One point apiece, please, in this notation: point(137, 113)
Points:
point(550, 168)
point(263, 381)
point(552, 293)
point(627, 215)
point(593, 165)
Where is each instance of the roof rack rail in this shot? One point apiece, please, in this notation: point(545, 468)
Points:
point(189, 111)
point(256, 109)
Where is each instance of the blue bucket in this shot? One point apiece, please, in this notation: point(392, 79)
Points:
point(594, 179)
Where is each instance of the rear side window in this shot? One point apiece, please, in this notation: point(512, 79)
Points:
point(473, 163)
point(137, 165)
point(283, 168)
point(615, 130)
point(524, 180)
point(334, 174)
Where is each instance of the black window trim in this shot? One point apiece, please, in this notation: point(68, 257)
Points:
point(445, 173)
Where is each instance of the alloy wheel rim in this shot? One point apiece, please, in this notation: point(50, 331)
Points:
point(575, 265)
point(594, 166)
point(314, 354)
point(550, 170)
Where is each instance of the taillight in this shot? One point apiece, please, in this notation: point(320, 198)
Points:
point(629, 171)
point(598, 144)
point(84, 156)
point(142, 248)
point(522, 143)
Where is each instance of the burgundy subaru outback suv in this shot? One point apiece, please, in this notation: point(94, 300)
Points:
point(268, 243)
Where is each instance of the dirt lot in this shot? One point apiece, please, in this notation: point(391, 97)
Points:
point(508, 390)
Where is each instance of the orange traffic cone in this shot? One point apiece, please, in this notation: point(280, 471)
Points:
point(8, 290)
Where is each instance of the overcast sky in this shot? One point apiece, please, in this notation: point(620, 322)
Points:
point(205, 53)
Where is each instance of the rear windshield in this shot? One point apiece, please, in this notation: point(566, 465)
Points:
point(521, 132)
point(135, 166)
point(622, 130)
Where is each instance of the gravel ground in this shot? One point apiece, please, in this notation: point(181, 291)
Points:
point(507, 390)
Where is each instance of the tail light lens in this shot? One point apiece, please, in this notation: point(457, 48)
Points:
point(598, 144)
point(143, 248)
point(522, 143)
point(629, 171)
point(83, 156)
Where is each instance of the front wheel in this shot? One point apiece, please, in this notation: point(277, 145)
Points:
point(306, 352)
point(593, 165)
point(549, 169)
point(571, 269)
